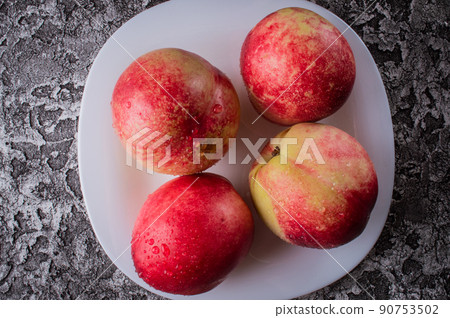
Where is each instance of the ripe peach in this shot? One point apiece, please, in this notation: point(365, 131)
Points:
point(297, 67)
point(190, 233)
point(321, 200)
point(176, 93)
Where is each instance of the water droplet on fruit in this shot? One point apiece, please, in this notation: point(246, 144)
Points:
point(194, 131)
point(145, 251)
point(165, 250)
point(341, 215)
point(151, 241)
point(183, 253)
point(217, 108)
point(155, 249)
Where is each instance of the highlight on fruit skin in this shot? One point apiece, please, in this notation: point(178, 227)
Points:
point(177, 95)
point(320, 202)
point(190, 234)
point(297, 67)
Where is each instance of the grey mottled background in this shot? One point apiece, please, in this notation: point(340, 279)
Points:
point(47, 246)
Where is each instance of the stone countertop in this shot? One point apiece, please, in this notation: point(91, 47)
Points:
point(48, 249)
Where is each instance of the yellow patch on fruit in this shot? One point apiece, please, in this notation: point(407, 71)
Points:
point(319, 197)
point(263, 203)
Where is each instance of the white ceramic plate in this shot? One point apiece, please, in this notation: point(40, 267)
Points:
point(216, 30)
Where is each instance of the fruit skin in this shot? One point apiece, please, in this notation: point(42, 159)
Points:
point(280, 50)
point(332, 201)
point(197, 239)
point(185, 79)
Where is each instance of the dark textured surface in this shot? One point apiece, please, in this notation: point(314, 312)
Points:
point(47, 246)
